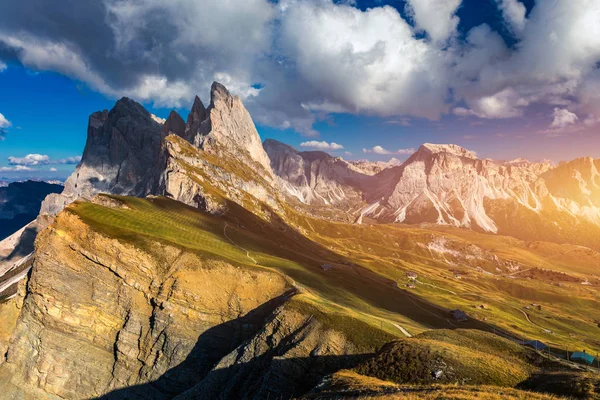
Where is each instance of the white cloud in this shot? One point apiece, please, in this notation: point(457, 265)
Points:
point(68, 160)
point(3, 66)
point(52, 169)
point(504, 104)
point(436, 17)
point(368, 61)
point(29, 159)
point(312, 58)
point(41, 159)
point(514, 13)
point(4, 123)
point(381, 151)
point(17, 168)
point(563, 118)
point(321, 145)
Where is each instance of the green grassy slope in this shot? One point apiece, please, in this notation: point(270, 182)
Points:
point(368, 279)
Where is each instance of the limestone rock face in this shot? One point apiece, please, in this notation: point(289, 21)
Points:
point(202, 180)
point(446, 184)
point(174, 125)
point(282, 360)
point(575, 187)
point(315, 177)
point(120, 156)
point(197, 121)
point(100, 315)
point(230, 131)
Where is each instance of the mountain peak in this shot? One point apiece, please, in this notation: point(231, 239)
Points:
point(276, 145)
point(447, 148)
point(126, 107)
point(174, 124)
point(218, 92)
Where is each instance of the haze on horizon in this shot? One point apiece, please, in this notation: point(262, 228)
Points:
point(359, 79)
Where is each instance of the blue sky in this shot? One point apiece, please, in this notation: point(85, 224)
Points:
point(449, 80)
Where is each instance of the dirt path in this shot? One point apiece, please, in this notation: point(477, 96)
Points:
point(402, 330)
point(239, 247)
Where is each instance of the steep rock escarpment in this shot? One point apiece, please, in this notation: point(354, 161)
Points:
point(203, 180)
point(108, 314)
point(101, 314)
point(120, 156)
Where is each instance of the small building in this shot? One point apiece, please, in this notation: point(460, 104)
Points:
point(412, 276)
point(536, 344)
point(326, 267)
point(411, 286)
point(582, 357)
point(459, 315)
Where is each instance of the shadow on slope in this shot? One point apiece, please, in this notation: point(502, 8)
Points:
point(268, 373)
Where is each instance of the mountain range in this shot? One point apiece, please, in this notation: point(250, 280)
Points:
point(188, 259)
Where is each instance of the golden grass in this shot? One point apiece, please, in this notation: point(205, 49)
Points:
point(351, 385)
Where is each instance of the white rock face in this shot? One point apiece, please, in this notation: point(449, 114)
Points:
point(447, 184)
point(315, 177)
point(575, 188)
point(229, 128)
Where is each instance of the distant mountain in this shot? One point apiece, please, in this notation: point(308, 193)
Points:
point(315, 177)
point(20, 204)
point(374, 167)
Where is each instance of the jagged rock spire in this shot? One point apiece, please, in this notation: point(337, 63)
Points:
point(197, 115)
point(174, 124)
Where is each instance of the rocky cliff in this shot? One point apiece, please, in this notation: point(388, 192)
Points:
point(120, 156)
point(315, 177)
point(447, 184)
point(107, 313)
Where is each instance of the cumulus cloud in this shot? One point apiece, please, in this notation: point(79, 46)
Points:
point(513, 12)
point(381, 151)
point(3, 66)
point(300, 61)
point(563, 118)
point(29, 159)
point(504, 104)
point(436, 17)
point(17, 168)
point(41, 159)
point(313, 144)
point(52, 169)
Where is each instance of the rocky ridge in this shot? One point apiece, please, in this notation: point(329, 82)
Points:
point(315, 177)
